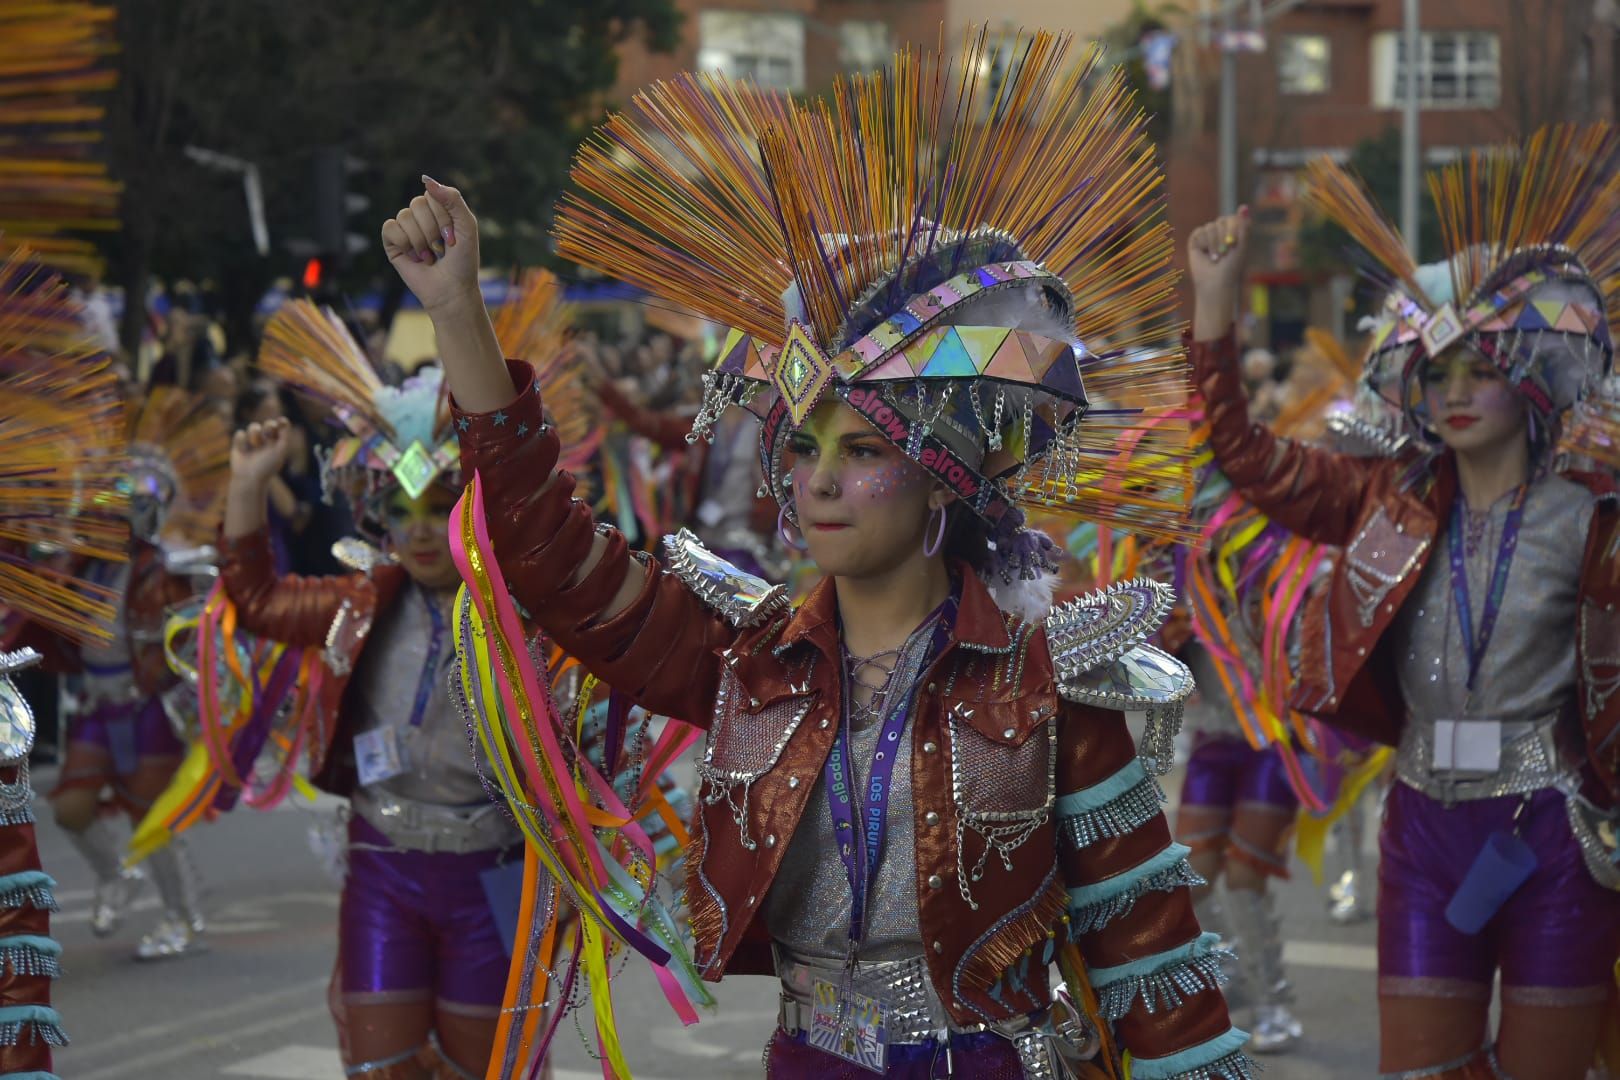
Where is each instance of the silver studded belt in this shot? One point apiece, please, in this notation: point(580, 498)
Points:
point(916, 1014)
point(420, 826)
point(1530, 761)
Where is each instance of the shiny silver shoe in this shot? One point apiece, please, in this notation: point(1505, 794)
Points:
point(112, 900)
point(172, 937)
point(1275, 1030)
point(1346, 905)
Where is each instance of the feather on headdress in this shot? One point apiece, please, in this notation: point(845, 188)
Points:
point(61, 456)
point(535, 325)
point(1532, 239)
point(972, 268)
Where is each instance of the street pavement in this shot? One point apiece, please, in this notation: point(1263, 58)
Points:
point(254, 1006)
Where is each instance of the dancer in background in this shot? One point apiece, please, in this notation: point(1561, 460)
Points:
point(1470, 618)
point(918, 377)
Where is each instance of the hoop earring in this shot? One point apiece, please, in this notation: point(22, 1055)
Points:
point(931, 547)
point(782, 531)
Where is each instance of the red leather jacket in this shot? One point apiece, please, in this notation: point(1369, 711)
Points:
point(19, 853)
point(334, 614)
point(991, 736)
point(1386, 514)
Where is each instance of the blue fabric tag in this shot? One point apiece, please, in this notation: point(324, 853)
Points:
point(503, 888)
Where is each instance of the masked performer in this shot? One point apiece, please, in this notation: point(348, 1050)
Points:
point(421, 963)
point(1469, 620)
point(122, 743)
point(913, 800)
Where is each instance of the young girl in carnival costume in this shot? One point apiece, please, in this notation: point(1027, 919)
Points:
point(60, 461)
point(911, 323)
point(1469, 619)
point(358, 677)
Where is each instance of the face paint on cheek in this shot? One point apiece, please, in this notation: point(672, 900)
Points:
point(886, 479)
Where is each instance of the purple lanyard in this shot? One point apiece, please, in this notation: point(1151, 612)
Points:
point(841, 788)
point(1498, 586)
point(430, 670)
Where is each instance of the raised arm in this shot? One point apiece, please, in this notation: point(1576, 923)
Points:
point(627, 620)
point(1310, 491)
point(290, 609)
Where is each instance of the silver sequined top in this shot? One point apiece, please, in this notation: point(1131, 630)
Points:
point(808, 907)
point(439, 762)
point(1527, 677)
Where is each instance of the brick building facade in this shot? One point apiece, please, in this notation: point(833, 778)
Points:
point(1329, 78)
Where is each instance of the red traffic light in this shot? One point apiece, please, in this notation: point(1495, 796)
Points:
point(314, 273)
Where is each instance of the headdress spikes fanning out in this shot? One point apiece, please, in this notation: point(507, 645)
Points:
point(1532, 269)
point(973, 272)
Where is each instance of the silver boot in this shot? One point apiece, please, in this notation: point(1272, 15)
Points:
point(1275, 1028)
point(116, 885)
point(1211, 914)
point(179, 932)
point(1347, 900)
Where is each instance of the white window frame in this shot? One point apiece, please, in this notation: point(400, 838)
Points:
point(880, 47)
point(1288, 76)
point(1470, 58)
point(767, 46)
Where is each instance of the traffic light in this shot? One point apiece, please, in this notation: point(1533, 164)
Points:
point(314, 274)
point(340, 231)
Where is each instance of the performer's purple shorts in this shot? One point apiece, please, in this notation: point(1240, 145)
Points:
point(1225, 771)
point(127, 732)
point(417, 926)
point(1560, 929)
point(979, 1056)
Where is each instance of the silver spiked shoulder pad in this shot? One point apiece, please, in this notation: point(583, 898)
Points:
point(741, 598)
point(1101, 658)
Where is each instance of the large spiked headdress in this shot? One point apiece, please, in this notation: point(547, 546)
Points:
point(1532, 269)
point(402, 437)
point(61, 456)
point(179, 462)
point(973, 268)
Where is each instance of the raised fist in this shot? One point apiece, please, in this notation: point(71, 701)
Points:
point(433, 244)
point(258, 451)
point(1215, 257)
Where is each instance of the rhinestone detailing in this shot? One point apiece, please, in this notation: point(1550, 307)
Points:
point(1530, 761)
point(27, 954)
point(1134, 807)
point(1236, 1066)
point(742, 746)
point(1095, 913)
point(28, 1024)
point(1141, 677)
point(1163, 981)
point(1379, 559)
point(741, 598)
point(16, 718)
point(993, 786)
point(30, 888)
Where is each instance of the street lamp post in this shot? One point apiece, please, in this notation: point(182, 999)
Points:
point(1409, 129)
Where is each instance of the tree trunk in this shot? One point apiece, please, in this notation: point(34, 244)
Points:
point(134, 275)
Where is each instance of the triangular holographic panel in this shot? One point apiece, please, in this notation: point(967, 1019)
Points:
point(895, 367)
point(1529, 317)
point(949, 358)
point(982, 342)
point(1063, 377)
point(1010, 363)
point(1035, 347)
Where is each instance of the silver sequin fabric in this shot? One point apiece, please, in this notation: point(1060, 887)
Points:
point(808, 907)
point(439, 761)
point(1528, 671)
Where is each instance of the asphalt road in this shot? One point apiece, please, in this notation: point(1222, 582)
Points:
point(254, 1006)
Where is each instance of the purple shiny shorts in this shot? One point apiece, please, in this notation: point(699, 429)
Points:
point(980, 1056)
point(417, 926)
point(126, 732)
point(1560, 929)
point(1225, 771)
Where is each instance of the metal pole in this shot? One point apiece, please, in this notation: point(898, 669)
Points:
point(1228, 126)
point(1409, 130)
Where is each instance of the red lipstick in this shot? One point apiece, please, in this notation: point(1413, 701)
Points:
point(1461, 422)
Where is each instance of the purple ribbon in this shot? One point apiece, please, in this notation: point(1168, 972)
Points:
point(1499, 575)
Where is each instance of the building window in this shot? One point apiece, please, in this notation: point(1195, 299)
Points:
point(1456, 70)
point(764, 47)
point(1304, 64)
point(863, 44)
